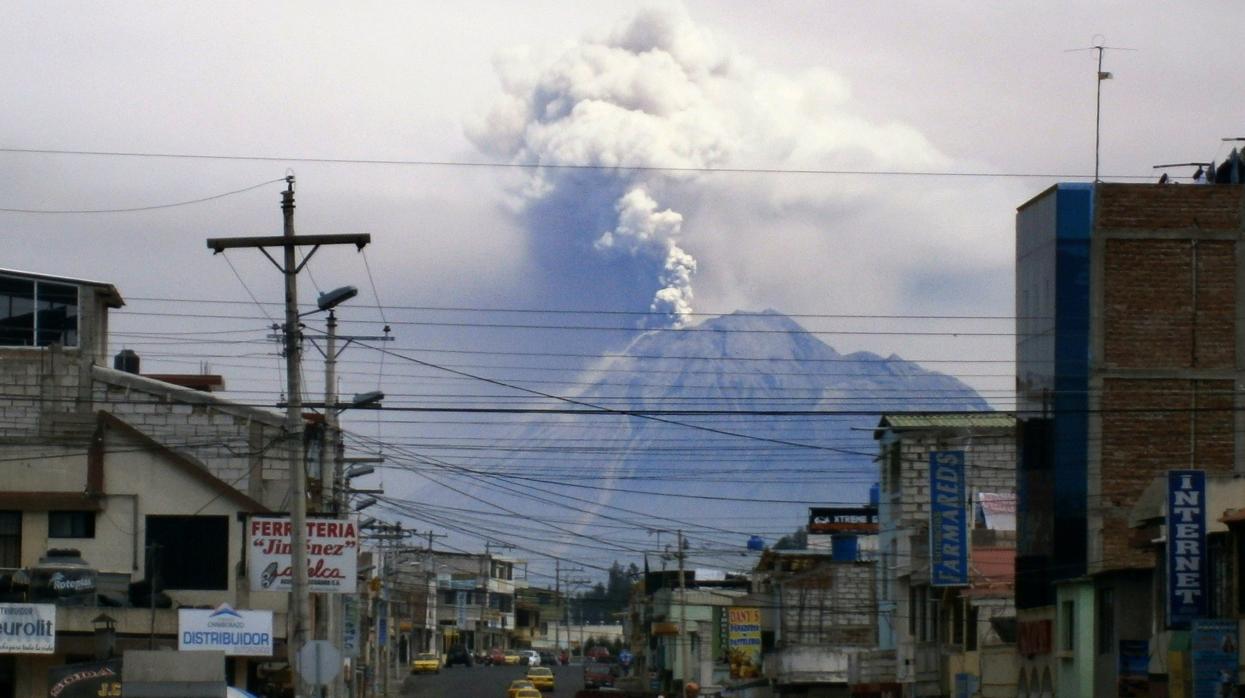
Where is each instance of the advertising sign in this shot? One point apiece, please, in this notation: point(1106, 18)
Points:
point(948, 530)
point(85, 680)
point(1133, 669)
point(350, 625)
point(237, 633)
point(27, 628)
point(843, 519)
point(332, 554)
point(1186, 546)
point(1213, 645)
point(744, 640)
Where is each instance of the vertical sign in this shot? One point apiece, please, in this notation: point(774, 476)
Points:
point(744, 639)
point(350, 625)
point(1186, 547)
point(1215, 657)
point(948, 530)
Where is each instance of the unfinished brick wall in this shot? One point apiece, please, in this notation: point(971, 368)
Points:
point(1169, 303)
point(1168, 321)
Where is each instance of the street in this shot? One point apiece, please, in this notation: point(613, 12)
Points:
point(486, 682)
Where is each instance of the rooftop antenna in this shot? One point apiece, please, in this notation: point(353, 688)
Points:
point(1099, 46)
point(1202, 168)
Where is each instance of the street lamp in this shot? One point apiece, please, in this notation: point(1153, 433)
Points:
point(364, 503)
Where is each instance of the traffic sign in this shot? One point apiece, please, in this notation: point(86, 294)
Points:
point(318, 662)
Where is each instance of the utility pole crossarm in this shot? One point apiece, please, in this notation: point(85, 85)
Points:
point(218, 245)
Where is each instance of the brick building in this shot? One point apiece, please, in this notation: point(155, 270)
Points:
point(1127, 301)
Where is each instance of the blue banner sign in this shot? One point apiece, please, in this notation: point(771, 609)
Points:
point(1186, 547)
point(1215, 657)
point(948, 530)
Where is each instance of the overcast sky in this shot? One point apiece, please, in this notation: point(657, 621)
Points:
point(652, 97)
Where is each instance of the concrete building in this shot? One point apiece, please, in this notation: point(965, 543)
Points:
point(147, 479)
point(1128, 365)
point(475, 600)
point(930, 635)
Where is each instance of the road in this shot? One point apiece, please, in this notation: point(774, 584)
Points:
point(486, 682)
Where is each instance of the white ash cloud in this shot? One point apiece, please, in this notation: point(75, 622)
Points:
point(657, 101)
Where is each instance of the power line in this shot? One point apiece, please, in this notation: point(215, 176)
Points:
point(557, 166)
point(144, 208)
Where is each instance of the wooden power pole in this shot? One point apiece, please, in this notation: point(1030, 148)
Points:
point(300, 593)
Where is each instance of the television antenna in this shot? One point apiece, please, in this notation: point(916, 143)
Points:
point(1099, 46)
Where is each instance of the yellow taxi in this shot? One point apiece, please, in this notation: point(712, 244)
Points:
point(528, 693)
point(512, 657)
point(519, 685)
point(541, 677)
point(426, 664)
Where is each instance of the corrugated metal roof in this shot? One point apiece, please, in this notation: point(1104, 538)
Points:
point(949, 420)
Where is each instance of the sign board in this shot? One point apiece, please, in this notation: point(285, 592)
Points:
point(1133, 669)
point(1186, 547)
point(744, 642)
point(85, 680)
point(843, 520)
point(350, 625)
point(1215, 657)
point(236, 633)
point(27, 628)
point(948, 530)
point(460, 606)
point(332, 554)
point(319, 662)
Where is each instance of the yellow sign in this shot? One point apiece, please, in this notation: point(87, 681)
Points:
point(744, 642)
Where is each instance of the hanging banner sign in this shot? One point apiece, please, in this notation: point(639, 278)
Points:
point(1215, 657)
point(1186, 547)
point(27, 628)
point(744, 642)
point(236, 633)
point(332, 554)
point(350, 625)
point(948, 530)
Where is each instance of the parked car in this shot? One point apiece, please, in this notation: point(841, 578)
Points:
point(458, 655)
point(510, 658)
point(547, 658)
point(529, 657)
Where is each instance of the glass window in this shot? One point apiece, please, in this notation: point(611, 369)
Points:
point(189, 552)
point(10, 539)
point(1068, 631)
point(1106, 621)
point(37, 313)
point(71, 524)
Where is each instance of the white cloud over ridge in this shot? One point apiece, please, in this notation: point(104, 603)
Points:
point(660, 99)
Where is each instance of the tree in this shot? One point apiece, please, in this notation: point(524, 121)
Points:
point(798, 540)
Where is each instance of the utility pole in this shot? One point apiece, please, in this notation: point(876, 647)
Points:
point(683, 639)
point(300, 593)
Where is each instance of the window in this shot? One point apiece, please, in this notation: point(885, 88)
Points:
point(71, 524)
point(10, 539)
point(914, 610)
point(894, 469)
point(1219, 567)
point(1067, 634)
point(1106, 621)
point(970, 634)
point(37, 313)
point(957, 621)
point(189, 552)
